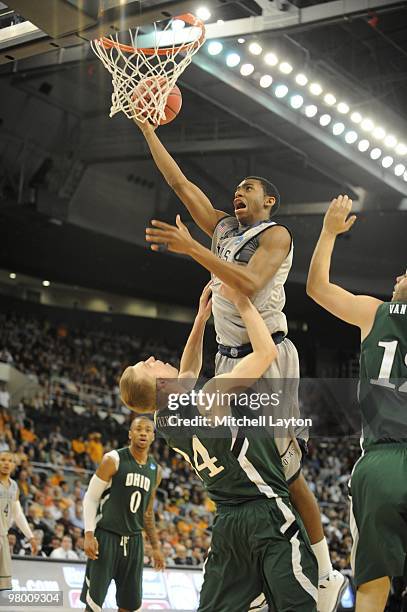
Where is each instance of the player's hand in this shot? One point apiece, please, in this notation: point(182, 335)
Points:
point(234, 296)
point(176, 238)
point(336, 219)
point(34, 547)
point(91, 546)
point(205, 302)
point(158, 559)
point(145, 126)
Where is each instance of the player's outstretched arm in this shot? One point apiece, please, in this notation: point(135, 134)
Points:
point(274, 247)
point(191, 360)
point(264, 352)
point(197, 203)
point(359, 310)
point(150, 529)
point(248, 369)
point(98, 483)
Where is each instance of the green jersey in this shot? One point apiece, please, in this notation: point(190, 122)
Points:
point(123, 503)
point(383, 377)
point(236, 464)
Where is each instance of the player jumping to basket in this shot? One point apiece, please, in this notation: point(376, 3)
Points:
point(258, 541)
point(117, 506)
point(379, 479)
point(252, 254)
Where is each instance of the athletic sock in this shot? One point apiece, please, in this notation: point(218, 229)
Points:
point(321, 551)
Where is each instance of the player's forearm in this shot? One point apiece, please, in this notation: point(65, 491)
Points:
point(91, 502)
point(21, 521)
point(258, 332)
point(163, 160)
point(237, 277)
point(318, 275)
point(149, 528)
point(191, 360)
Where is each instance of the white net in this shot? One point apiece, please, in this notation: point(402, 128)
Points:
point(143, 76)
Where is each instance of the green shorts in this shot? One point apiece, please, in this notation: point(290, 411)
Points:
point(379, 513)
point(120, 559)
point(260, 546)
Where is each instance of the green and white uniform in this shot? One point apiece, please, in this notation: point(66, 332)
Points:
point(379, 478)
point(258, 541)
point(237, 244)
point(120, 521)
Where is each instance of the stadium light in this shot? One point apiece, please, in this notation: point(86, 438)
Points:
point(375, 153)
point(285, 68)
point(203, 13)
point(363, 145)
point(296, 101)
point(215, 47)
point(351, 137)
point(315, 89)
point(177, 25)
point(281, 91)
point(390, 141)
point(266, 80)
point(311, 110)
point(343, 108)
point(387, 161)
point(301, 79)
point(232, 60)
point(325, 120)
point(379, 133)
point(271, 59)
point(367, 125)
point(13, 275)
point(46, 283)
point(356, 117)
point(329, 99)
point(338, 128)
point(246, 69)
point(255, 48)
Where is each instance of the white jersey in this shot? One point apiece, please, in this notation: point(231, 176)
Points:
point(8, 495)
point(236, 244)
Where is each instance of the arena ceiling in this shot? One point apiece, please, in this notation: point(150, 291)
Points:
point(66, 168)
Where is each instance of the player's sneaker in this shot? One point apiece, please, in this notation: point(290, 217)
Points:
point(330, 591)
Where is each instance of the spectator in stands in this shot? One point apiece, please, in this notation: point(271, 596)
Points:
point(79, 548)
point(65, 520)
point(4, 445)
point(65, 550)
point(4, 396)
point(53, 545)
point(182, 557)
point(76, 515)
point(13, 543)
point(94, 448)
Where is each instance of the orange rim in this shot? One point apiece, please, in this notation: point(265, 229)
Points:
point(188, 18)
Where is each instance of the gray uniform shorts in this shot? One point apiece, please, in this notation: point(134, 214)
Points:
point(282, 377)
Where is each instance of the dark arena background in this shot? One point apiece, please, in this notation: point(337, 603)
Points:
point(309, 94)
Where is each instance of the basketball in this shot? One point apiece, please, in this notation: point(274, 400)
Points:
point(173, 105)
point(150, 91)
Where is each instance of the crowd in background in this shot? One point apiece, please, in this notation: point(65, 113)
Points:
point(60, 434)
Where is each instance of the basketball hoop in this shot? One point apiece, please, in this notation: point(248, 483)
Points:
point(155, 68)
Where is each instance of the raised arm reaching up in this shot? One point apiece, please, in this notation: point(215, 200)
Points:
point(358, 310)
point(197, 203)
